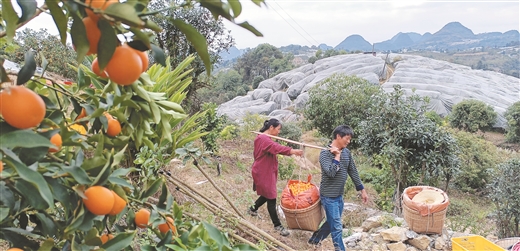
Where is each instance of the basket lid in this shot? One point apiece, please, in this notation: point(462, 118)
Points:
point(429, 197)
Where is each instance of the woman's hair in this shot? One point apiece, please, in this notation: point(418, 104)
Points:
point(268, 123)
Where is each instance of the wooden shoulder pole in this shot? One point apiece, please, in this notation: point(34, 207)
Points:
point(292, 141)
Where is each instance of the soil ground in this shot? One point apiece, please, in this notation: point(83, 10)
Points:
point(235, 180)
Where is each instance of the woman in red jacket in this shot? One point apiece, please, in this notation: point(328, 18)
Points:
point(265, 170)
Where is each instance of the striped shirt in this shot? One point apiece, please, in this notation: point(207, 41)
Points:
point(334, 173)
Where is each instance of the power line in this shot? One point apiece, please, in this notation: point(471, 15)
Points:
point(288, 22)
point(317, 43)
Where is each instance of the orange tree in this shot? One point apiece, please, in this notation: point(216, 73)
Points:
point(74, 193)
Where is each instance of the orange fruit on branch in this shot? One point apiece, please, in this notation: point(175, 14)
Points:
point(106, 237)
point(93, 34)
point(114, 128)
point(168, 225)
point(99, 200)
point(97, 4)
point(82, 114)
point(144, 59)
point(55, 140)
point(119, 204)
point(1, 166)
point(142, 217)
point(125, 66)
point(14, 249)
point(21, 107)
point(96, 70)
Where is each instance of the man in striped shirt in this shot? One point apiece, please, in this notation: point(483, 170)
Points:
point(336, 163)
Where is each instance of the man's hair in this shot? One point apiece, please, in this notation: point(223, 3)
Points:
point(342, 131)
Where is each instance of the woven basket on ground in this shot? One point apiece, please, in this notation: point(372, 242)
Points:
point(429, 224)
point(305, 219)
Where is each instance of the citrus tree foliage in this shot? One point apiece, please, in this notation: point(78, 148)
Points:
point(265, 60)
point(513, 122)
point(173, 40)
point(212, 125)
point(340, 100)
point(504, 191)
point(415, 149)
point(472, 115)
point(478, 157)
point(48, 48)
point(45, 183)
point(328, 53)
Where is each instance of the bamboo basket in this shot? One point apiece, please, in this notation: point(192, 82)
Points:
point(306, 218)
point(429, 224)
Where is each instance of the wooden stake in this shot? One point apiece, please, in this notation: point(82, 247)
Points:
point(292, 141)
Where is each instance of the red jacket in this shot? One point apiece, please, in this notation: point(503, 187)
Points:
point(265, 166)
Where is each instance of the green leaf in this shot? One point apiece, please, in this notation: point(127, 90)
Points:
point(59, 19)
point(154, 187)
point(119, 181)
point(141, 40)
point(36, 180)
point(47, 224)
point(107, 42)
point(236, 7)
point(125, 13)
point(158, 55)
point(78, 174)
point(78, 33)
point(7, 198)
point(11, 19)
point(197, 40)
point(25, 139)
point(4, 212)
point(120, 241)
point(250, 28)
point(47, 245)
point(28, 69)
point(103, 175)
point(28, 9)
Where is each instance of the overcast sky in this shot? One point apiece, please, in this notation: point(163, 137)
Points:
point(312, 22)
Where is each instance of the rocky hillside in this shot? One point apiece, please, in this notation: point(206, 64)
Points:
point(445, 83)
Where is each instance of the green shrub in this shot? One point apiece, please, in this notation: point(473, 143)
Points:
point(477, 156)
point(229, 132)
point(212, 124)
point(504, 192)
point(472, 115)
point(286, 166)
point(340, 100)
point(291, 130)
point(513, 122)
point(251, 122)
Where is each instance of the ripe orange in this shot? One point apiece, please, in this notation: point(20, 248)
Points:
point(93, 34)
point(96, 70)
point(119, 204)
point(55, 140)
point(14, 249)
point(141, 218)
point(97, 4)
point(99, 201)
point(144, 59)
point(125, 66)
point(1, 166)
point(164, 227)
point(21, 107)
point(106, 237)
point(114, 128)
point(82, 114)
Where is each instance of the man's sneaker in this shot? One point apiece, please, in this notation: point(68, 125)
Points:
point(282, 230)
point(315, 244)
point(252, 212)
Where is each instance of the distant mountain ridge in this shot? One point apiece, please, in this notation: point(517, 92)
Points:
point(453, 36)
